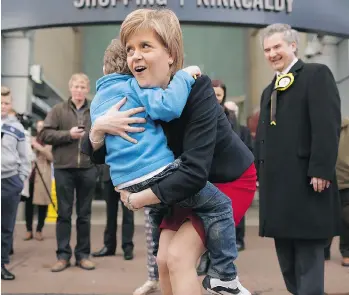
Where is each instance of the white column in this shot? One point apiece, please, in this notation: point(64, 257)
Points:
point(325, 52)
point(334, 52)
point(16, 49)
point(343, 75)
point(16, 55)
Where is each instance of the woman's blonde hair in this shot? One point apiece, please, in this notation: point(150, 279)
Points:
point(164, 23)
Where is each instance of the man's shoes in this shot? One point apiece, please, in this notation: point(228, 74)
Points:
point(103, 252)
point(28, 236)
point(60, 265)
point(148, 288)
point(217, 286)
point(128, 254)
point(240, 247)
point(6, 275)
point(85, 264)
point(39, 236)
point(345, 261)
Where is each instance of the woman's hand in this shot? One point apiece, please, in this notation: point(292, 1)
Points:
point(136, 201)
point(115, 122)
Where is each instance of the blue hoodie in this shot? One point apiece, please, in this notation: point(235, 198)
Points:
point(127, 160)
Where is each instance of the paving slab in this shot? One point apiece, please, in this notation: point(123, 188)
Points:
point(257, 266)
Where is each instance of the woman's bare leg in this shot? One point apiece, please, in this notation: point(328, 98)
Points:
point(161, 259)
point(183, 253)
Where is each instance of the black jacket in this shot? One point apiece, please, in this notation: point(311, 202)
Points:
point(203, 138)
point(302, 145)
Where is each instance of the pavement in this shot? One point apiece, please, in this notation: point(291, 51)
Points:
point(257, 266)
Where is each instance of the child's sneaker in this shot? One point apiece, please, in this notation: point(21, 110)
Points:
point(217, 286)
point(148, 288)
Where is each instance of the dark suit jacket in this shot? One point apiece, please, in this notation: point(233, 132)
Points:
point(303, 144)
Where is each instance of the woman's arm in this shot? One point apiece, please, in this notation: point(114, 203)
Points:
point(200, 115)
point(166, 104)
point(138, 200)
point(113, 122)
point(45, 150)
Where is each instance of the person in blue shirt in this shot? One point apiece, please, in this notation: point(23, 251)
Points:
point(135, 167)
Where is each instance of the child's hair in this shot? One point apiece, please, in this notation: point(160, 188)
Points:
point(115, 59)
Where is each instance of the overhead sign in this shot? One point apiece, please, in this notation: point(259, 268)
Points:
point(266, 5)
point(320, 16)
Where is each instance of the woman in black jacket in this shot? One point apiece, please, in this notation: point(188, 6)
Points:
point(202, 137)
point(231, 111)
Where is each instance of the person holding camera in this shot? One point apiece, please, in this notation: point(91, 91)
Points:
point(39, 186)
point(15, 168)
point(64, 127)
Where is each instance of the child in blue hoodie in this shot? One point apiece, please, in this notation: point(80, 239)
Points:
point(135, 167)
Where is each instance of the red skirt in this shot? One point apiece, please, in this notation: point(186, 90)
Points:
point(240, 191)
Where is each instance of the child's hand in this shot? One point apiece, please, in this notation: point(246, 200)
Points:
point(193, 71)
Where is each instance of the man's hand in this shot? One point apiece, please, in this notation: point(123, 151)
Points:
point(76, 133)
point(319, 184)
point(193, 71)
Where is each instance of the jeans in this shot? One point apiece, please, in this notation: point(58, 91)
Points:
point(157, 211)
point(83, 182)
point(11, 188)
point(215, 210)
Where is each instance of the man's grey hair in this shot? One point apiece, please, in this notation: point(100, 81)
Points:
point(290, 35)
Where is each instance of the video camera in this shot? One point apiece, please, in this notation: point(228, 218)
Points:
point(25, 119)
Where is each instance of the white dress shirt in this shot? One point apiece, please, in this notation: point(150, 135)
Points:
point(288, 68)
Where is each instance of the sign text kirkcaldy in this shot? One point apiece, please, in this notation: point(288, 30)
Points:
point(266, 5)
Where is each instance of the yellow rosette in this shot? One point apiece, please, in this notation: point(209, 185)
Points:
point(283, 82)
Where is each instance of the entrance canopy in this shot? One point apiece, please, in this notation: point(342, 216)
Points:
point(319, 16)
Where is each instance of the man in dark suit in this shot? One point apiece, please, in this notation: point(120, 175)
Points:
point(296, 151)
point(112, 199)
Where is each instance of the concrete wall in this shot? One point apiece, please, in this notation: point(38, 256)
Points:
point(58, 51)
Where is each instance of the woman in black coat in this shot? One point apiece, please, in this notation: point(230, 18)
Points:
point(244, 133)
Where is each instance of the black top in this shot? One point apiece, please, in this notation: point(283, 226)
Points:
point(203, 138)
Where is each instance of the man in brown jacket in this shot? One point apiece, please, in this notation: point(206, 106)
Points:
point(64, 127)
